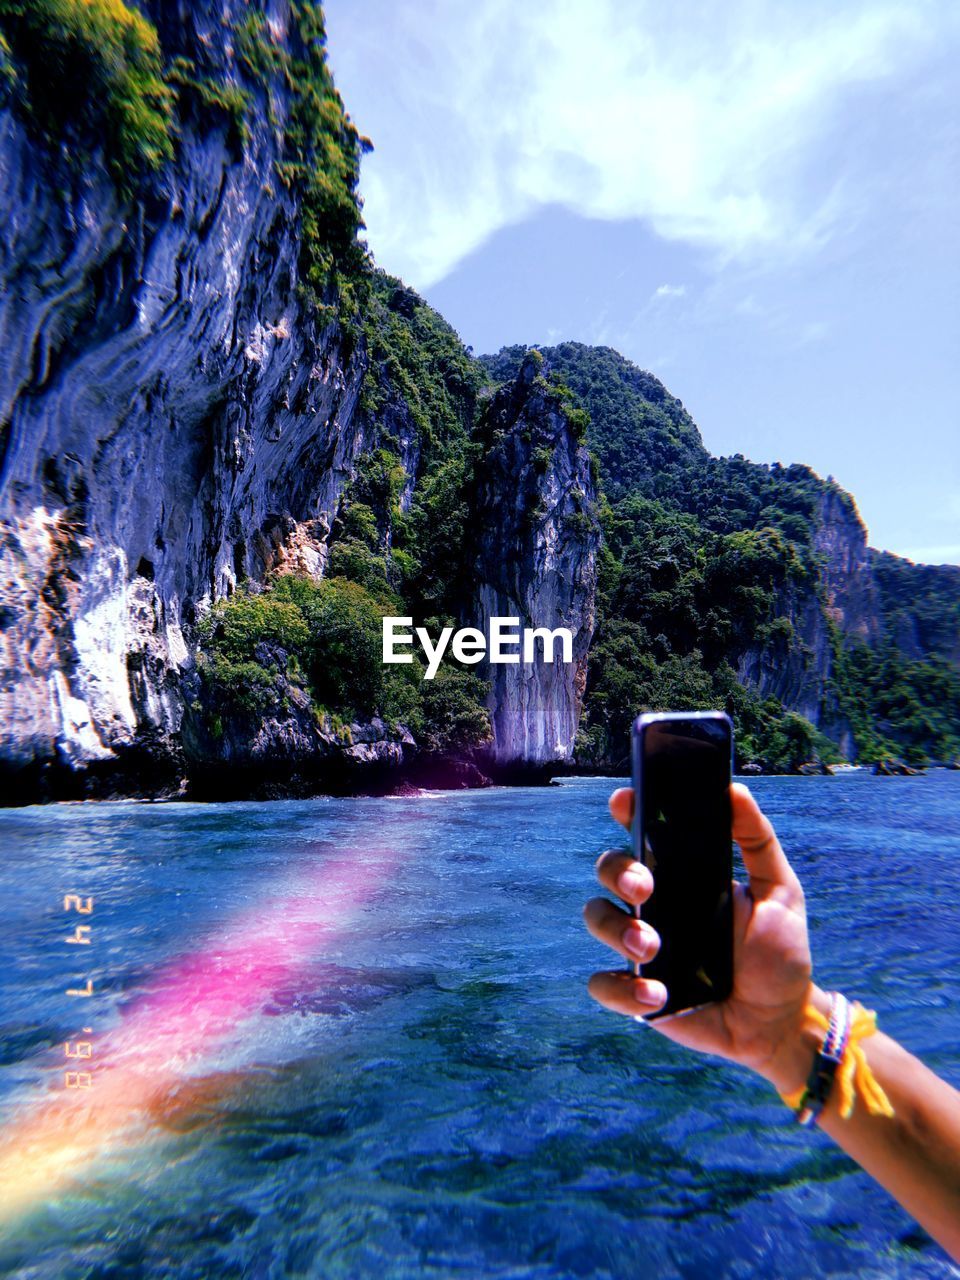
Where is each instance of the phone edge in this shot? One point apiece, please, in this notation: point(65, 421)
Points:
point(644, 719)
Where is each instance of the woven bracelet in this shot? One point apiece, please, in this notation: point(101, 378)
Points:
point(841, 1058)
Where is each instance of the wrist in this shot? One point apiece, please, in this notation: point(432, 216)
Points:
point(788, 1066)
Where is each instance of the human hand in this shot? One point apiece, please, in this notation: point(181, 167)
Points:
point(760, 1024)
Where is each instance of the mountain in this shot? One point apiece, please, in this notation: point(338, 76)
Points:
point(230, 445)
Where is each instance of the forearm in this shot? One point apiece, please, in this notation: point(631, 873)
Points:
point(915, 1154)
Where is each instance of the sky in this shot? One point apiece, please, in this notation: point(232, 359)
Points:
point(757, 202)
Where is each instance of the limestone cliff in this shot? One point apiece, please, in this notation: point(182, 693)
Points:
point(724, 582)
point(840, 604)
point(538, 533)
point(176, 420)
point(204, 382)
point(850, 596)
point(182, 413)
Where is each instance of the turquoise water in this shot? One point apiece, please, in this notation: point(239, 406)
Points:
point(431, 1092)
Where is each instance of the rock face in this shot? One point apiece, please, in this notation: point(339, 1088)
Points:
point(538, 535)
point(797, 671)
point(292, 753)
point(174, 422)
point(851, 599)
point(175, 419)
point(842, 604)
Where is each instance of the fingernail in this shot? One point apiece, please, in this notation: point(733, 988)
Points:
point(640, 940)
point(631, 883)
point(650, 993)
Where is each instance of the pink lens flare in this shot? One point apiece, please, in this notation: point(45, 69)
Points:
point(143, 1067)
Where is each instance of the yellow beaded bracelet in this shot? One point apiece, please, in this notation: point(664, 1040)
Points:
point(854, 1074)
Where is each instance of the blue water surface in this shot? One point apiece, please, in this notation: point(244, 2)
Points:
point(436, 1095)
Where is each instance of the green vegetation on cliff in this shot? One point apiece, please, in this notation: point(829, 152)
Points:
point(86, 73)
point(417, 364)
point(921, 606)
point(705, 562)
point(709, 569)
point(708, 560)
point(422, 391)
point(637, 429)
point(324, 638)
point(902, 695)
point(321, 160)
point(676, 604)
point(90, 69)
point(900, 706)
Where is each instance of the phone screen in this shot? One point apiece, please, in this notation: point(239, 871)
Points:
point(681, 768)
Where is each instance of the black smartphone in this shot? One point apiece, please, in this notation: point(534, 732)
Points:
point(682, 763)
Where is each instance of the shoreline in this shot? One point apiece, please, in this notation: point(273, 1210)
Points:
point(401, 788)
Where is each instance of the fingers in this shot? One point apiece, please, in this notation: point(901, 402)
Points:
point(752, 831)
point(617, 870)
point(623, 993)
point(633, 939)
point(764, 859)
point(621, 806)
point(621, 874)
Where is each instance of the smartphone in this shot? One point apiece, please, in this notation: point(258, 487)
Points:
point(682, 762)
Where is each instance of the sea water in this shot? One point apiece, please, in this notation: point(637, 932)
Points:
point(374, 1052)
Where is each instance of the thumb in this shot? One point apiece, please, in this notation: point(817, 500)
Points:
point(763, 857)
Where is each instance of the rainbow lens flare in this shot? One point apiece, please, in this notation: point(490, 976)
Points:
point(148, 1065)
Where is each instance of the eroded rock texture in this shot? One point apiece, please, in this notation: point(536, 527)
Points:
point(174, 421)
point(177, 420)
point(841, 603)
point(538, 535)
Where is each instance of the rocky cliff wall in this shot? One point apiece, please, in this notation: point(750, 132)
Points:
point(538, 535)
point(178, 420)
point(174, 420)
point(795, 671)
point(180, 413)
point(840, 604)
point(850, 594)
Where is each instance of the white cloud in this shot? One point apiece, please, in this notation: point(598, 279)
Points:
point(704, 120)
point(670, 291)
